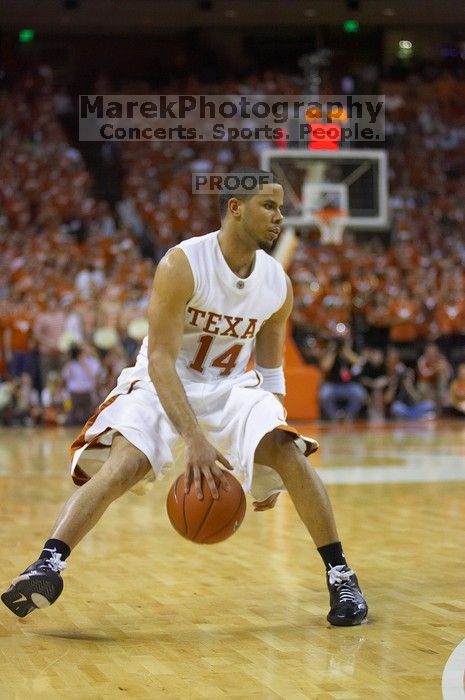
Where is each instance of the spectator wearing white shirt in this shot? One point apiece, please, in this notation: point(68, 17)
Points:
point(89, 280)
point(81, 374)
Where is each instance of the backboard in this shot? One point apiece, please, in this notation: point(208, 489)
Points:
point(354, 182)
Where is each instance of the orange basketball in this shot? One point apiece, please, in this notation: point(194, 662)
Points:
point(206, 521)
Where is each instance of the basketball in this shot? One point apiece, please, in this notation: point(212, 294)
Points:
point(206, 521)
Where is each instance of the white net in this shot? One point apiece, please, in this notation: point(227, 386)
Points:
point(332, 224)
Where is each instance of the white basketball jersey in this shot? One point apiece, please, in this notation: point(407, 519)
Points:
point(225, 312)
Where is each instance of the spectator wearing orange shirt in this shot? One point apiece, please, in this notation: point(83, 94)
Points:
point(19, 341)
point(405, 317)
point(450, 314)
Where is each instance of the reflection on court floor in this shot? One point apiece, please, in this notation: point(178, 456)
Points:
point(146, 614)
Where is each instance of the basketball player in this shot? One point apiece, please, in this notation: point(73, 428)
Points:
point(189, 397)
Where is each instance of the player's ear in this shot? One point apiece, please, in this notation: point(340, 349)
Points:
point(235, 207)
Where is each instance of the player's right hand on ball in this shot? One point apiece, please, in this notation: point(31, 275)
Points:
point(201, 459)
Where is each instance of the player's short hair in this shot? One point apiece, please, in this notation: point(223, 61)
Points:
point(224, 197)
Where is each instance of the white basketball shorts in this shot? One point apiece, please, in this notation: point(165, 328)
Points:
point(234, 414)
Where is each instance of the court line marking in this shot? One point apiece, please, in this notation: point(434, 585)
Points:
point(386, 474)
point(419, 467)
point(453, 675)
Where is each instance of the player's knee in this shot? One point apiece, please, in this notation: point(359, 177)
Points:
point(277, 450)
point(123, 473)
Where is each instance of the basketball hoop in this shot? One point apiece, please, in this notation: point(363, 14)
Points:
point(331, 223)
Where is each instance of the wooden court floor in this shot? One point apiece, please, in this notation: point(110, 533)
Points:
point(146, 614)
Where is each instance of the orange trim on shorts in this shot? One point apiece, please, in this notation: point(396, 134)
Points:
point(308, 441)
point(79, 476)
point(288, 429)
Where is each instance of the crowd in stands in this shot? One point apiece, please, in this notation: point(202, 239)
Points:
point(379, 384)
point(385, 322)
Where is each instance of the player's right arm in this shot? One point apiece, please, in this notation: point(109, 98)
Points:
point(172, 289)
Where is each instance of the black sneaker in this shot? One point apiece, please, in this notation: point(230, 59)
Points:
point(37, 587)
point(348, 606)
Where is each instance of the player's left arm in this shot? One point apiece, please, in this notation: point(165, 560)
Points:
point(269, 346)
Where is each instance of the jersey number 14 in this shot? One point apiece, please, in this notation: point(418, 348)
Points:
point(226, 361)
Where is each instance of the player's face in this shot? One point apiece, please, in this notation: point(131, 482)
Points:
point(262, 216)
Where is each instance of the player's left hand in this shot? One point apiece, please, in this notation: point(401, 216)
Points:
point(268, 503)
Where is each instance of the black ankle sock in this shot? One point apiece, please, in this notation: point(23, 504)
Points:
point(332, 555)
point(57, 545)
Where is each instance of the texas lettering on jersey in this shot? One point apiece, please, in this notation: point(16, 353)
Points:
point(222, 324)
